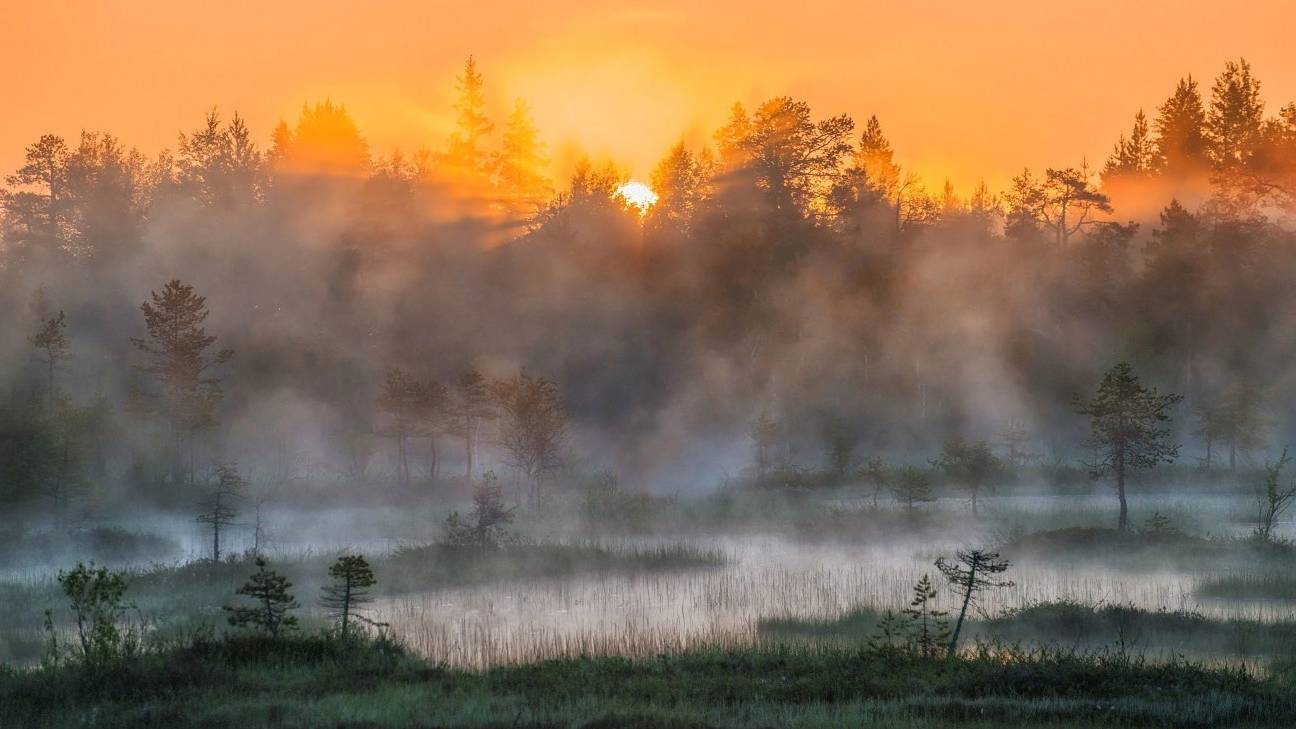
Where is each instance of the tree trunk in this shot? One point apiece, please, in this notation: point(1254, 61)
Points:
point(967, 599)
point(1120, 491)
point(402, 465)
point(434, 458)
point(469, 438)
point(51, 385)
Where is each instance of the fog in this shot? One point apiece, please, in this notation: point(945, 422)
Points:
point(749, 369)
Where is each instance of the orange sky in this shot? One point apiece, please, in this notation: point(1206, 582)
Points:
point(965, 90)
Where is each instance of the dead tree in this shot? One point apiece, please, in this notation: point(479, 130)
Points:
point(972, 572)
point(218, 509)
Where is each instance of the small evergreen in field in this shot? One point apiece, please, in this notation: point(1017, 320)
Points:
point(929, 628)
point(272, 601)
point(352, 578)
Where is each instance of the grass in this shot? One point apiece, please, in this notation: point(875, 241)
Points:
point(420, 567)
point(310, 681)
point(105, 544)
point(180, 595)
point(1262, 586)
point(1131, 549)
point(1078, 626)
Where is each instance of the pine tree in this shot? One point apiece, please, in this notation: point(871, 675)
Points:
point(1181, 145)
point(912, 486)
point(679, 182)
point(352, 578)
point(877, 160)
point(39, 209)
point(928, 626)
point(520, 163)
point(1135, 155)
point(466, 144)
point(1128, 426)
point(175, 350)
point(268, 591)
point(1235, 122)
point(50, 337)
point(971, 573)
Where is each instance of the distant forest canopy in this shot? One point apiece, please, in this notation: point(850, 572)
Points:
point(791, 274)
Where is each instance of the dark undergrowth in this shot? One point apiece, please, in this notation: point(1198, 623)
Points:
point(1158, 549)
point(1073, 625)
point(313, 681)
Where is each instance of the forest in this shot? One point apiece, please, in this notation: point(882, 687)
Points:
point(782, 435)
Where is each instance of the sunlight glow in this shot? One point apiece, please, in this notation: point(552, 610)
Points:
point(637, 195)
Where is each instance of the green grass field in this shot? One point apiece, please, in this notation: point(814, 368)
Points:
point(316, 682)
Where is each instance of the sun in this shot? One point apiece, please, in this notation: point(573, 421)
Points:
point(637, 195)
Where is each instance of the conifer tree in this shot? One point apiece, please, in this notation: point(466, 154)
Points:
point(971, 573)
point(175, 350)
point(271, 602)
point(472, 125)
point(352, 578)
point(50, 337)
point(930, 630)
point(1128, 427)
point(521, 162)
point(1235, 121)
point(1181, 145)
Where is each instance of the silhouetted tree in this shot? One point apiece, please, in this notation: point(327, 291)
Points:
point(217, 510)
point(1238, 420)
point(175, 349)
point(911, 486)
point(520, 163)
point(50, 337)
point(1135, 155)
point(1181, 144)
point(1013, 437)
point(271, 600)
point(930, 628)
point(219, 165)
point(487, 523)
point(38, 210)
point(1274, 500)
point(876, 474)
point(680, 183)
point(1128, 427)
point(1235, 121)
point(96, 596)
point(472, 125)
point(533, 425)
point(352, 578)
point(472, 408)
point(1064, 203)
point(971, 573)
point(401, 398)
point(764, 437)
point(971, 466)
